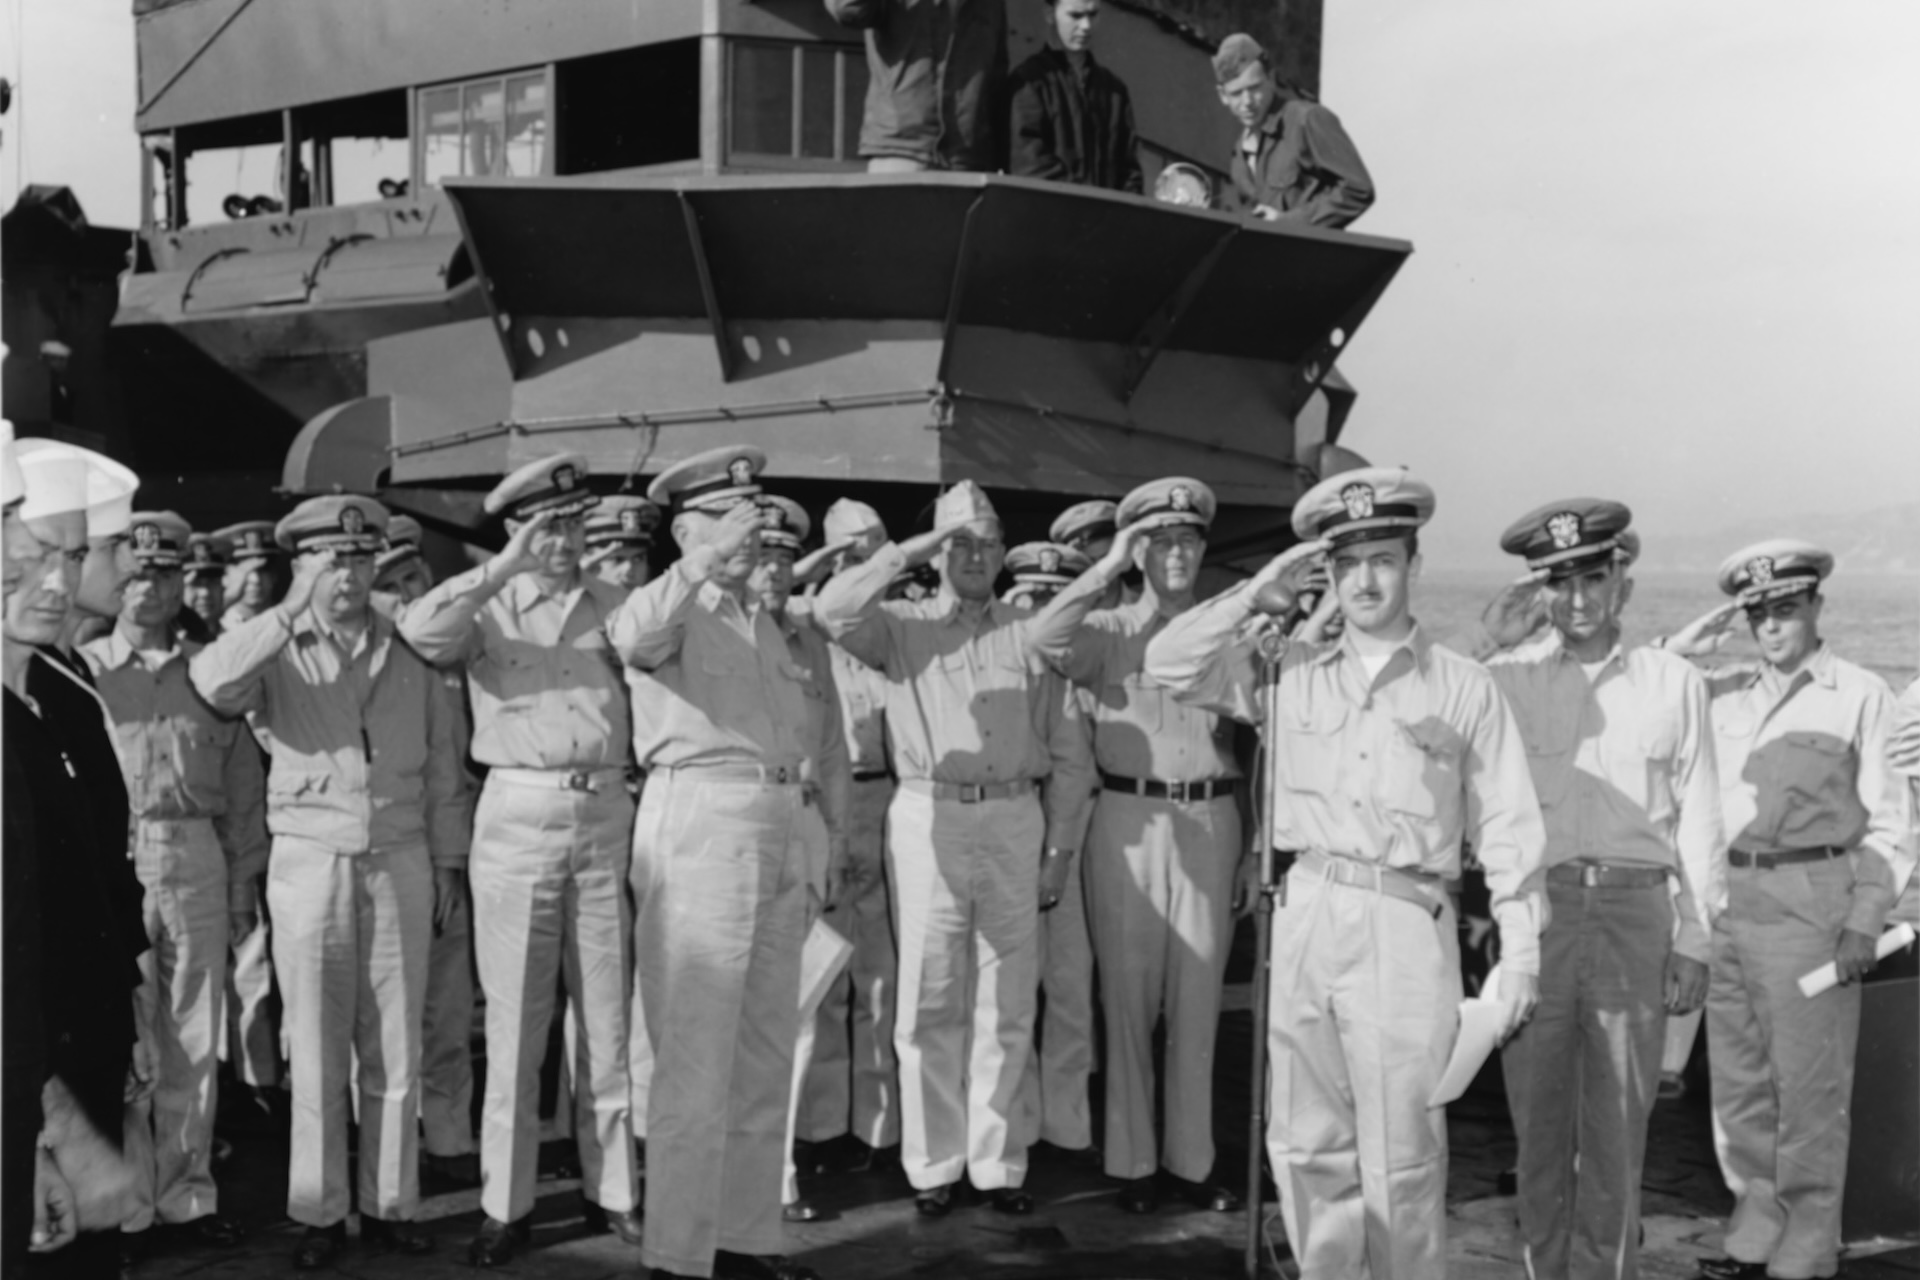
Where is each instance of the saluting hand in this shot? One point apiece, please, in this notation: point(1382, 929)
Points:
point(734, 529)
point(1705, 634)
point(306, 575)
point(818, 566)
point(1274, 589)
point(1517, 612)
point(923, 548)
point(517, 556)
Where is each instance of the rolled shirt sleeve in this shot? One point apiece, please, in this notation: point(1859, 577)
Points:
point(1206, 657)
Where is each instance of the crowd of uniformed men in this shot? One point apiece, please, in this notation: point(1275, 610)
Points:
point(804, 861)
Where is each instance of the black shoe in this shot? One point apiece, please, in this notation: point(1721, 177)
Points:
point(319, 1246)
point(137, 1246)
point(1140, 1195)
point(1010, 1200)
point(745, 1266)
point(801, 1210)
point(211, 1231)
point(449, 1172)
point(496, 1241)
point(627, 1223)
point(383, 1235)
point(1202, 1195)
point(1731, 1269)
point(937, 1202)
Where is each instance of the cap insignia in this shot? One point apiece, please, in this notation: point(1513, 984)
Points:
point(1564, 529)
point(565, 477)
point(1358, 499)
point(1760, 570)
point(1181, 498)
point(1049, 561)
point(630, 521)
point(146, 536)
point(253, 540)
point(353, 521)
point(740, 471)
point(775, 516)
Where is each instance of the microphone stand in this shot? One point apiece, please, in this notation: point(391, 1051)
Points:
point(1271, 891)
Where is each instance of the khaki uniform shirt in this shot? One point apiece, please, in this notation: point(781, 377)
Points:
point(1803, 763)
point(967, 703)
point(1395, 769)
point(363, 751)
point(180, 760)
point(713, 683)
point(545, 686)
point(1623, 766)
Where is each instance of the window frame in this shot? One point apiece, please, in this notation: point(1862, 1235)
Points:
point(846, 157)
point(416, 102)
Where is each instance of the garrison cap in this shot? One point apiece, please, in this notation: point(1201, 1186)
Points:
point(250, 541)
point(1084, 522)
point(557, 484)
point(403, 542)
point(848, 521)
point(1237, 52)
point(1176, 500)
point(336, 522)
point(622, 520)
point(206, 553)
point(160, 539)
point(965, 503)
point(714, 481)
point(1356, 506)
point(1773, 569)
point(787, 523)
point(64, 477)
point(1569, 537)
point(1046, 564)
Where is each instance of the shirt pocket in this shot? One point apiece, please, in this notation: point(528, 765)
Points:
point(1552, 745)
point(1812, 766)
point(1420, 769)
point(1309, 747)
point(1135, 700)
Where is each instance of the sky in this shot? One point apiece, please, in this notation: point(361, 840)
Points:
point(1664, 252)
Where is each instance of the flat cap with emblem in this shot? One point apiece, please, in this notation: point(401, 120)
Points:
point(250, 541)
point(557, 484)
point(403, 542)
point(622, 520)
point(1046, 563)
point(1775, 568)
point(713, 482)
point(160, 539)
point(1084, 523)
point(1176, 500)
point(344, 522)
point(787, 523)
point(1567, 538)
point(206, 553)
point(1359, 506)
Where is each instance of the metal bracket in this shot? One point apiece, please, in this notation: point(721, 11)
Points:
point(957, 291)
point(721, 346)
point(1147, 344)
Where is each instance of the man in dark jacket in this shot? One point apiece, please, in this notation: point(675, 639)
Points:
point(1072, 118)
point(937, 69)
point(1293, 163)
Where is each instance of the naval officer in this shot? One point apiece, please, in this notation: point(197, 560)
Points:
point(362, 779)
point(1164, 848)
point(976, 724)
point(205, 572)
point(550, 840)
point(255, 581)
point(620, 540)
point(1822, 843)
point(1389, 751)
point(719, 877)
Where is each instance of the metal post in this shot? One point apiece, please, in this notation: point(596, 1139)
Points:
point(1267, 795)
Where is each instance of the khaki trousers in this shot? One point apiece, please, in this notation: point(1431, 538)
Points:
point(255, 1045)
point(350, 938)
point(549, 870)
point(1160, 890)
point(1365, 1003)
point(446, 1038)
point(1581, 1078)
point(719, 879)
point(169, 1137)
point(1782, 1065)
point(1053, 1094)
point(966, 882)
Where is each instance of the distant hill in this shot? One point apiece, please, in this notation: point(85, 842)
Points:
point(1883, 540)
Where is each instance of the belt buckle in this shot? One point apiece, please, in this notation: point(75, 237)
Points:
point(579, 781)
point(1178, 792)
point(972, 793)
point(1590, 875)
point(781, 774)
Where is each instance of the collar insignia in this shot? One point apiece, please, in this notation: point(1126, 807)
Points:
point(1564, 529)
point(1358, 499)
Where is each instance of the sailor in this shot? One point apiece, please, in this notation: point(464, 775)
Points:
point(205, 571)
point(362, 772)
point(550, 841)
point(199, 843)
point(784, 532)
point(1621, 748)
point(1388, 751)
point(719, 877)
point(1164, 848)
point(853, 1085)
point(255, 581)
point(976, 724)
point(620, 540)
point(109, 565)
point(1293, 162)
point(1822, 843)
point(1040, 570)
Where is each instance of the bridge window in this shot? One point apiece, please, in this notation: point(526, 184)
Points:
point(495, 127)
point(795, 102)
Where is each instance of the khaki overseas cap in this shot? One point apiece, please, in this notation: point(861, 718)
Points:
point(557, 484)
point(1237, 52)
point(1775, 568)
point(848, 520)
point(1085, 522)
point(337, 522)
point(1046, 564)
point(1357, 506)
point(160, 539)
point(715, 481)
point(1567, 538)
point(965, 503)
point(1176, 500)
point(786, 523)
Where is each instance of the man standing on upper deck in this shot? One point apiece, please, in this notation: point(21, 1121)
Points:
point(1623, 764)
point(976, 725)
point(1389, 750)
point(1822, 845)
point(1072, 118)
point(550, 841)
point(362, 779)
point(1164, 847)
point(1293, 162)
point(936, 75)
point(719, 877)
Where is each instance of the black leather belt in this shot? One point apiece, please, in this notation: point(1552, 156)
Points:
point(871, 775)
point(1601, 875)
point(1783, 857)
point(1179, 792)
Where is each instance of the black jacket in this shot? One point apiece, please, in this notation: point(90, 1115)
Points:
point(1069, 129)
